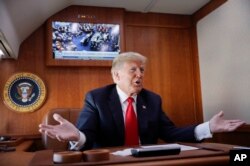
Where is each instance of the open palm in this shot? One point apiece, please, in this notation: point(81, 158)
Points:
point(64, 131)
point(219, 124)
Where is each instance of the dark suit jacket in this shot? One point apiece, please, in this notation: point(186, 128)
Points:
point(101, 120)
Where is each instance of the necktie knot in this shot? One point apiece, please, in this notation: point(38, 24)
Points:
point(130, 99)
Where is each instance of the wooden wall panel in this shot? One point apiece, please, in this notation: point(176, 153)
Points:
point(169, 69)
point(164, 39)
point(167, 42)
point(157, 20)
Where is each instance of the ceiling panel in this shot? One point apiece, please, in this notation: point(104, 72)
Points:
point(178, 6)
point(129, 5)
point(157, 6)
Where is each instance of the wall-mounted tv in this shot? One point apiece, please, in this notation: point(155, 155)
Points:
point(85, 41)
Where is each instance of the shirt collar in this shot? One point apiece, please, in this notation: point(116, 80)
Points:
point(123, 96)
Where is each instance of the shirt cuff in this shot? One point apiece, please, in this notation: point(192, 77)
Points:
point(77, 145)
point(202, 131)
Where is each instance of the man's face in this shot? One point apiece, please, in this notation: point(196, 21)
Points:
point(130, 77)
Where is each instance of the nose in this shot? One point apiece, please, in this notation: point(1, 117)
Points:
point(139, 73)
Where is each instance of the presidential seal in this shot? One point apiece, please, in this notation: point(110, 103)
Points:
point(24, 92)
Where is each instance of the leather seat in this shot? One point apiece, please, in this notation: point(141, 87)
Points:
point(71, 114)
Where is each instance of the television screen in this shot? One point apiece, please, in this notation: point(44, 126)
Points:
point(86, 41)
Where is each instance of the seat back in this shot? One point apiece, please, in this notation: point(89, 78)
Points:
point(71, 114)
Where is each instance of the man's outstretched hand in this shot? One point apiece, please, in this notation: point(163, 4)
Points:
point(218, 124)
point(64, 131)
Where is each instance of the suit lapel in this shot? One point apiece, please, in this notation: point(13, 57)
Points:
point(116, 111)
point(141, 108)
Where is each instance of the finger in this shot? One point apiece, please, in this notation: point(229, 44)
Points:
point(41, 131)
point(50, 134)
point(236, 121)
point(59, 118)
point(234, 126)
point(221, 114)
point(43, 126)
point(59, 138)
point(239, 124)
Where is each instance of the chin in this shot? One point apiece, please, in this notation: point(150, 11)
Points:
point(137, 90)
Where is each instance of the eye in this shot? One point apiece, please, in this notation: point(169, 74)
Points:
point(133, 69)
point(142, 70)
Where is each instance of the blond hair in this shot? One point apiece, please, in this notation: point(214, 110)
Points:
point(126, 57)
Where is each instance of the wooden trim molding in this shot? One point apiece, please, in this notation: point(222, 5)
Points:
point(196, 73)
point(208, 8)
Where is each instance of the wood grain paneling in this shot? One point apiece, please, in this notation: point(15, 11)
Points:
point(170, 68)
point(157, 20)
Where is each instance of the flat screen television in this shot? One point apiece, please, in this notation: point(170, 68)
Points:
point(85, 41)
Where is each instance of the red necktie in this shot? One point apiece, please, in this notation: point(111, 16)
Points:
point(131, 127)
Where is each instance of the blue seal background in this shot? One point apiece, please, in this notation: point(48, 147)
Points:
point(13, 92)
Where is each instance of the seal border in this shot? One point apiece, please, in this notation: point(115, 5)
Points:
point(31, 108)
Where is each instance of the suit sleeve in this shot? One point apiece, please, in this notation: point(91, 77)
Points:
point(88, 121)
point(170, 133)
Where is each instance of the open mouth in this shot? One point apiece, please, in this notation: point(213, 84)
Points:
point(138, 83)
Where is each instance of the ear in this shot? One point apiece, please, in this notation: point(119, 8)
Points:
point(116, 76)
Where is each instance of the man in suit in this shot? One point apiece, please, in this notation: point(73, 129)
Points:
point(105, 118)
